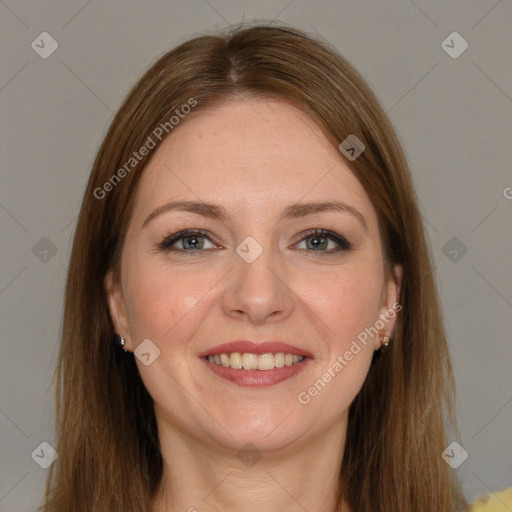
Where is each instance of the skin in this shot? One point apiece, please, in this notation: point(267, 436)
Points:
point(254, 157)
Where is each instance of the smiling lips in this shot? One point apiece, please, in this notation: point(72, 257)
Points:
point(256, 364)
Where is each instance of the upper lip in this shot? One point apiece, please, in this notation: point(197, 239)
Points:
point(252, 347)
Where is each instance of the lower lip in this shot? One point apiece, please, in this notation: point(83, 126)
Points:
point(256, 378)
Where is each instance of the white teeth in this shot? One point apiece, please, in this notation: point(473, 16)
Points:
point(266, 362)
point(236, 360)
point(248, 361)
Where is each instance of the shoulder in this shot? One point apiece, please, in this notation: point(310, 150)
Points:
point(495, 502)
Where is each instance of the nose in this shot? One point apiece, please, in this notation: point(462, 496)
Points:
point(258, 291)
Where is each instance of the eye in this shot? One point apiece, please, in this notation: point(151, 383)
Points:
point(189, 241)
point(193, 241)
point(319, 241)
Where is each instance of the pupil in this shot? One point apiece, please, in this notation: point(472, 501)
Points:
point(193, 241)
point(317, 241)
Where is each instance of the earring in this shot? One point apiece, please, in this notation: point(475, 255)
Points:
point(385, 341)
point(120, 341)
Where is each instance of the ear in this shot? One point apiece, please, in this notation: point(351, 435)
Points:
point(390, 302)
point(117, 307)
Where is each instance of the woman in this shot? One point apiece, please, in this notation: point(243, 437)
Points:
point(251, 320)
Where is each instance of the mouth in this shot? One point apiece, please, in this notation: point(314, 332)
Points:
point(247, 363)
point(256, 370)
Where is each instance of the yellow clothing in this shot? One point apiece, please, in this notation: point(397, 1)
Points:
point(497, 502)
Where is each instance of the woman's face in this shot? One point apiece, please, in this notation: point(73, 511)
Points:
point(258, 274)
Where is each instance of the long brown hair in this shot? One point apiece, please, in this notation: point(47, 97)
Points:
point(109, 456)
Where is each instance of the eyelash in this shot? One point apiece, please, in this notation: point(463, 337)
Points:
point(168, 241)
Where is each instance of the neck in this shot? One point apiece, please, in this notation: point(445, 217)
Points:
point(200, 476)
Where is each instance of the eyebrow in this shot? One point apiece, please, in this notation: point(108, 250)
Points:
point(293, 211)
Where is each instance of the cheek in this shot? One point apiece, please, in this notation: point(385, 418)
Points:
point(344, 304)
point(345, 301)
point(161, 299)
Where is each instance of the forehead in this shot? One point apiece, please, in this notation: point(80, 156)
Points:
point(248, 153)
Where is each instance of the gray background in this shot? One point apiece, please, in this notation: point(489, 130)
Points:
point(453, 117)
